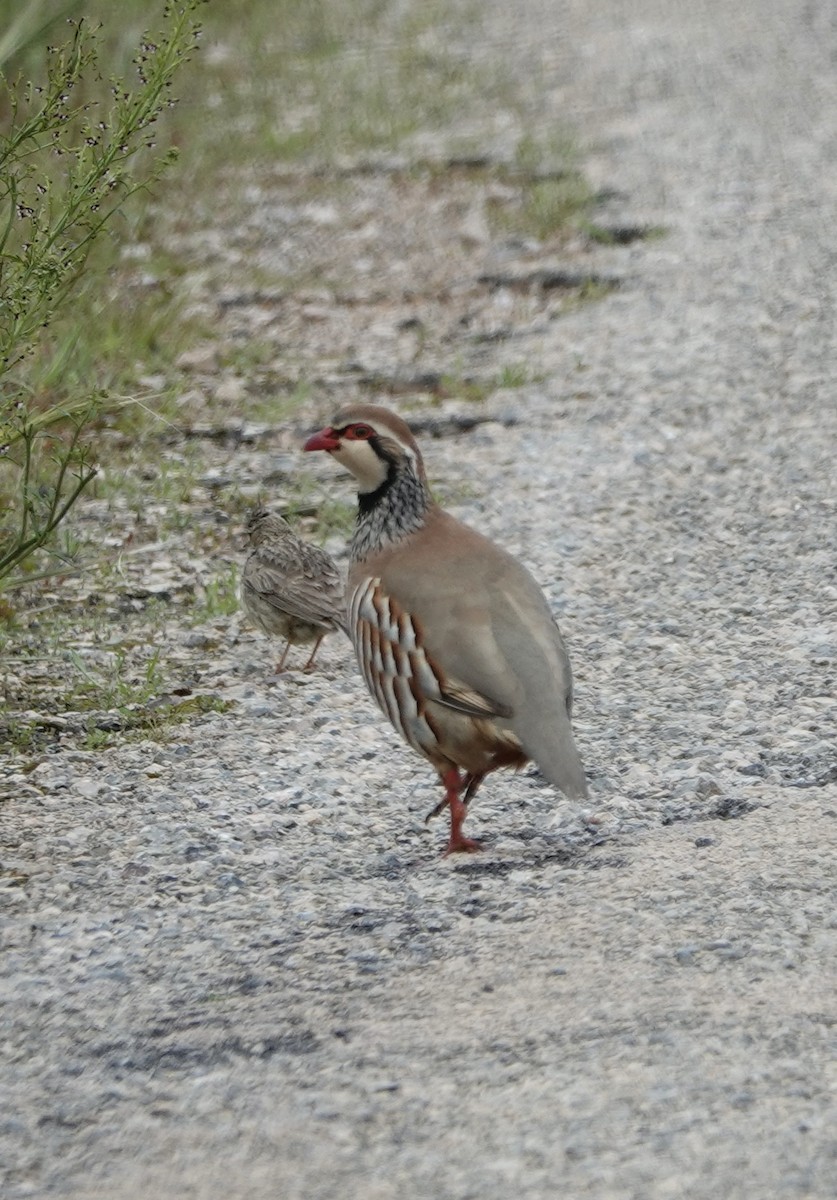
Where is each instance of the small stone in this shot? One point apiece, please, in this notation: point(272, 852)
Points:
point(706, 786)
point(474, 230)
point(231, 390)
point(199, 358)
point(316, 312)
point(89, 788)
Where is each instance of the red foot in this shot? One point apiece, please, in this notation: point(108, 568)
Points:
point(458, 843)
point(461, 845)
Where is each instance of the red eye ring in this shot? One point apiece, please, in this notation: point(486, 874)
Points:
point(359, 432)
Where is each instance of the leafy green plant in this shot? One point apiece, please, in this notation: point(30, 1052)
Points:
point(67, 165)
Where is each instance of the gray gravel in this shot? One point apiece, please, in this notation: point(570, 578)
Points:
point(235, 965)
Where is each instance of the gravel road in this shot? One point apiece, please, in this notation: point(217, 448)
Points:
point(236, 965)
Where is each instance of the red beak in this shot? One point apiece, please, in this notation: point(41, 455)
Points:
point(326, 439)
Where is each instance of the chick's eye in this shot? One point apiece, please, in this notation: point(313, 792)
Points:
point(360, 432)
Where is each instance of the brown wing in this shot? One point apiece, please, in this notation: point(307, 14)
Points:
point(302, 583)
point(465, 700)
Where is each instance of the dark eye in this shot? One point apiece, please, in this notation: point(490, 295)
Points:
point(360, 432)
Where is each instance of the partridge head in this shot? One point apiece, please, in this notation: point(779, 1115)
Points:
point(289, 588)
point(454, 638)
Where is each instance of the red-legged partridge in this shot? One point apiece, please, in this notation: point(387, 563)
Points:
point(454, 638)
point(289, 588)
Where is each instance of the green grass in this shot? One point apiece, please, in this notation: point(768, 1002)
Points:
point(94, 688)
point(219, 596)
point(300, 82)
point(283, 100)
point(475, 389)
point(277, 81)
point(304, 84)
point(515, 375)
point(544, 207)
point(116, 684)
point(26, 736)
point(605, 236)
point(334, 515)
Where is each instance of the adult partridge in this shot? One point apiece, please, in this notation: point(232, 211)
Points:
point(454, 638)
point(289, 588)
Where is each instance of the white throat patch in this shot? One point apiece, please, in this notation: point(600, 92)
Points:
point(359, 458)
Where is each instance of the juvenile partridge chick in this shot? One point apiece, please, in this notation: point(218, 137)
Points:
point(454, 638)
point(289, 588)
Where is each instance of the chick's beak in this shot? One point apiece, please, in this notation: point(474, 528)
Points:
point(326, 439)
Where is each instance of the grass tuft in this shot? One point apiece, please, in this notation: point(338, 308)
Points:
point(337, 188)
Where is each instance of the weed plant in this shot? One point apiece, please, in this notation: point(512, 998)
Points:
point(69, 161)
point(109, 269)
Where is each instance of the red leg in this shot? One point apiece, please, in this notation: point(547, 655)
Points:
point(453, 783)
